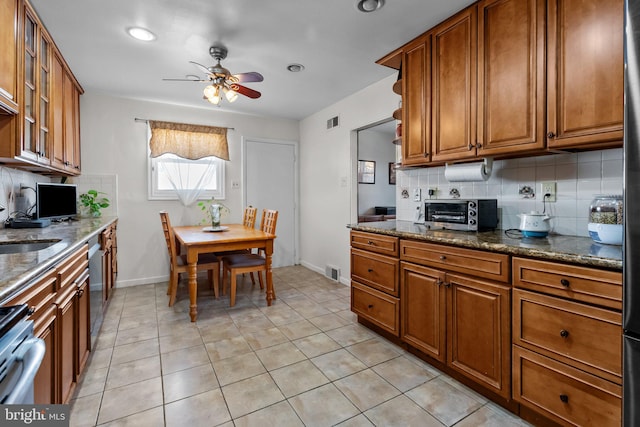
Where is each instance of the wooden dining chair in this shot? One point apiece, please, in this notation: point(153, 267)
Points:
point(249, 216)
point(178, 263)
point(248, 263)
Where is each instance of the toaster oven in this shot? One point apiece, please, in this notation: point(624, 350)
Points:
point(459, 214)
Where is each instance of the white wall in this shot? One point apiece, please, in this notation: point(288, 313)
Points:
point(376, 146)
point(327, 178)
point(113, 144)
point(579, 176)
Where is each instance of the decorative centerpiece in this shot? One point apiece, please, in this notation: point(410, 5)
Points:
point(213, 212)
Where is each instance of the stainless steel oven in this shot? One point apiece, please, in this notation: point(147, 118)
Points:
point(458, 214)
point(20, 355)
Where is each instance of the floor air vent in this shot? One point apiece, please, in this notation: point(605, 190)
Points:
point(332, 272)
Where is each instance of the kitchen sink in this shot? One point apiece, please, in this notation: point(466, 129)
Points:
point(20, 246)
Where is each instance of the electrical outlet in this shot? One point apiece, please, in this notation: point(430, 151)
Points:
point(548, 187)
point(417, 195)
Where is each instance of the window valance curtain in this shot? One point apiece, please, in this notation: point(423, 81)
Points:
point(188, 141)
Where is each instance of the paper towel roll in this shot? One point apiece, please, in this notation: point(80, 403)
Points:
point(468, 172)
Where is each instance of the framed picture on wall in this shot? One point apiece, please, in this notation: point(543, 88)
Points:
point(366, 172)
point(392, 173)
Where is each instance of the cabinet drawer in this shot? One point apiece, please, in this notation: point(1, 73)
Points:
point(379, 243)
point(477, 263)
point(73, 266)
point(377, 307)
point(377, 271)
point(564, 394)
point(583, 284)
point(38, 295)
point(587, 337)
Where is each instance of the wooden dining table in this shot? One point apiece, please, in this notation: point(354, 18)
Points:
point(196, 240)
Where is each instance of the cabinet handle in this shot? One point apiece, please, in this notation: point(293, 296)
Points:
point(438, 282)
point(551, 135)
point(426, 154)
point(447, 284)
point(370, 270)
point(370, 242)
point(443, 258)
point(564, 282)
point(470, 146)
point(370, 306)
point(564, 333)
point(564, 398)
point(31, 310)
point(80, 292)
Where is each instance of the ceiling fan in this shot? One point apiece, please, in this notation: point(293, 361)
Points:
point(221, 81)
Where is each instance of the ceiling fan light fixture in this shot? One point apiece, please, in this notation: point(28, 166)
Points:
point(141, 34)
point(368, 6)
point(230, 94)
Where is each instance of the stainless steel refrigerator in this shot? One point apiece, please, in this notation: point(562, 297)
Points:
point(631, 251)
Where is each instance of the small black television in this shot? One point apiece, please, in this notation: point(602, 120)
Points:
point(56, 201)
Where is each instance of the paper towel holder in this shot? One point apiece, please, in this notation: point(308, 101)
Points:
point(485, 168)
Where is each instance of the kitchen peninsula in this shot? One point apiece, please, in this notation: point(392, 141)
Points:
point(515, 319)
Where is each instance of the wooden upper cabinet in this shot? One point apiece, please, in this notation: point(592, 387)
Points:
point(453, 82)
point(416, 102)
point(585, 73)
point(9, 55)
point(511, 73)
point(57, 146)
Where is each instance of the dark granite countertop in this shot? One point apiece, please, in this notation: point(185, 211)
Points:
point(17, 270)
point(569, 249)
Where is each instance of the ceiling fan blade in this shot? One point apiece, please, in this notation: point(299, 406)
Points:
point(185, 80)
point(201, 67)
point(243, 90)
point(248, 77)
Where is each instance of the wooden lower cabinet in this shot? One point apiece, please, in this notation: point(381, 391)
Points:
point(83, 326)
point(377, 307)
point(423, 308)
point(459, 320)
point(44, 384)
point(66, 356)
point(564, 394)
point(479, 331)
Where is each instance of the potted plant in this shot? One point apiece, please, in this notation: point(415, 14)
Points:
point(94, 202)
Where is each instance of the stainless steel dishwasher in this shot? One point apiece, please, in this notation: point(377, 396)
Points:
point(20, 355)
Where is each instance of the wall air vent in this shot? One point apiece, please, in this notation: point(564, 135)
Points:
point(332, 272)
point(332, 122)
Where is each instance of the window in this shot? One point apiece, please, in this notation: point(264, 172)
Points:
point(190, 172)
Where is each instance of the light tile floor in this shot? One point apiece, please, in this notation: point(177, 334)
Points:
point(304, 361)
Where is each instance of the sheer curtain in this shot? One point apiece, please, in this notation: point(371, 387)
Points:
point(189, 152)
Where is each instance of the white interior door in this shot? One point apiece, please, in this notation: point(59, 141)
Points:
point(270, 183)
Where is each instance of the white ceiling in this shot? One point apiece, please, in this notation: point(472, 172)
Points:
point(336, 43)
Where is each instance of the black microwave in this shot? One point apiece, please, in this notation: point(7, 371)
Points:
point(458, 214)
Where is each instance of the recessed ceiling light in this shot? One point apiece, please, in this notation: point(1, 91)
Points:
point(295, 68)
point(140, 33)
point(369, 5)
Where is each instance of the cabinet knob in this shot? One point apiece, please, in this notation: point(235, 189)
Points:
point(426, 154)
point(447, 284)
point(370, 306)
point(564, 282)
point(80, 292)
point(31, 310)
point(470, 146)
point(370, 242)
point(564, 333)
point(551, 135)
point(564, 398)
point(442, 257)
point(370, 270)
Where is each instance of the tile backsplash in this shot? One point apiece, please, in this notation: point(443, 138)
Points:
point(579, 176)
